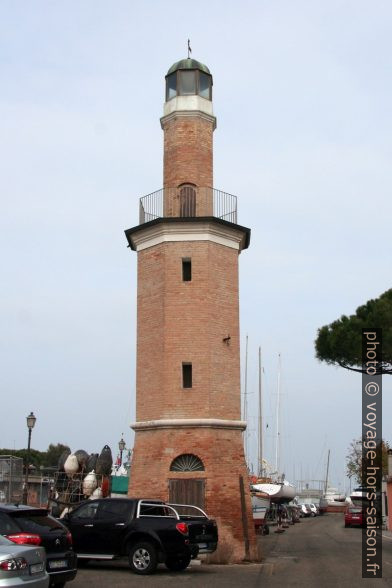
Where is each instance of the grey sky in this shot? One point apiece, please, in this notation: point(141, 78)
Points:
point(302, 94)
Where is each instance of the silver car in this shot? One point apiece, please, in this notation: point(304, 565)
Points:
point(22, 565)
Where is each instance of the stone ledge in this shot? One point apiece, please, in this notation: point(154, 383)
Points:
point(188, 423)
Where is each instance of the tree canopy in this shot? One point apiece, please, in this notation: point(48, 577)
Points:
point(340, 343)
point(354, 460)
point(48, 458)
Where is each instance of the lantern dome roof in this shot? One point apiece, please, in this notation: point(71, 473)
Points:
point(188, 64)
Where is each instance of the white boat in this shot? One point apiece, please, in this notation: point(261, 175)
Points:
point(358, 496)
point(260, 505)
point(279, 493)
point(332, 498)
point(333, 495)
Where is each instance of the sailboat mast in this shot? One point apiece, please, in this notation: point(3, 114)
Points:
point(277, 446)
point(260, 456)
point(245, 410)
point(326, 477)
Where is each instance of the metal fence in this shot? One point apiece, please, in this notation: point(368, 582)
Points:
point(11, 478)
point(151, 206)
point(188, 201)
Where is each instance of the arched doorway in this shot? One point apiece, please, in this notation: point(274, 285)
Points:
point(187, 200)
point(187, 490)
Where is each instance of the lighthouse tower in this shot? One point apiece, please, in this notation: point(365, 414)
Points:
point(188, 431)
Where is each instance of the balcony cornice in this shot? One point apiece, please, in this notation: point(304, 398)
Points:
point(196, 228)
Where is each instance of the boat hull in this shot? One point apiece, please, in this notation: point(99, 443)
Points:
point(330, 505)
point(278, 493)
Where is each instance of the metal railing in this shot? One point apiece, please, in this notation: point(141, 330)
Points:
point(188, 201)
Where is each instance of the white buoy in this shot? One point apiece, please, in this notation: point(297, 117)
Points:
point(96, 494)
point(71, 465)
point(89, 483)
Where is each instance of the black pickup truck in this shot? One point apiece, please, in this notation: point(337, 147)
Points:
point(148, 532)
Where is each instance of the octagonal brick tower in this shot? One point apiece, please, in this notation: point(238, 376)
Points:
point(188, 430)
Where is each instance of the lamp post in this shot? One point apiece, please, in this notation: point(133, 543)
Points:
point(121, 446)
point(30, 425)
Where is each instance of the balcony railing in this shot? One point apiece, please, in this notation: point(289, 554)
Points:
point(188, 201)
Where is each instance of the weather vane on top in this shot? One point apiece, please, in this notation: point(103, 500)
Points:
point(189, 49)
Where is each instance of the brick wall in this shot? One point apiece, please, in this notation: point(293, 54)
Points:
point(186, 322)
point(187, 156)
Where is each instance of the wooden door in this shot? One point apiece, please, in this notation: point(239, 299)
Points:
point(187, 491)
point(187, 201)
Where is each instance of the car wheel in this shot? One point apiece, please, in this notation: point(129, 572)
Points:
point(143, 558)
point(265, 530)
point(346, 525)
point(58, 585)
point(83, 563)
point(178, 564)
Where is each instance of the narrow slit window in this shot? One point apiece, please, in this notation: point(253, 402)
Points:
point(186, 270)
point(187, 375)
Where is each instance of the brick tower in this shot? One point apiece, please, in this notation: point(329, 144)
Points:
point(188, 430)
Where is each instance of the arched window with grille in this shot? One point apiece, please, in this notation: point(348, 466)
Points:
point(187, 462)
point(188, 200)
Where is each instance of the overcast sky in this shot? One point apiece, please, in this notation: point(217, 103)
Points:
point(302, 95)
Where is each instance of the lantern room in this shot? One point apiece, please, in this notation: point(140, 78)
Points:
point(188, 77)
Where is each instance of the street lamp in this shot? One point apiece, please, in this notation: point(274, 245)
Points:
point(30, 425)
point(121, 446)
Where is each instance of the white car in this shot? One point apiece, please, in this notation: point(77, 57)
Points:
point(303, 510)
point(22, 565)
point(313, 508)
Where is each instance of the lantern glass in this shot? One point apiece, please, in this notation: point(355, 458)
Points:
point(31, 420)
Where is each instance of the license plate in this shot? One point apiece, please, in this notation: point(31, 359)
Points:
point(58, 563)
point(202, 545)
point(37, 568)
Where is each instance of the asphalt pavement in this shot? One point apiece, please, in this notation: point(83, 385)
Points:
point(317, 552)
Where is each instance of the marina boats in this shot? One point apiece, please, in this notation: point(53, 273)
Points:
point(332, 500)
point(276, 491)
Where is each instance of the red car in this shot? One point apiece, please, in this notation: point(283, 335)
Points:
point(354, 516)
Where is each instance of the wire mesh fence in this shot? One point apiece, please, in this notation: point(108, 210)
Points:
point(70, 490)
point(11, 478)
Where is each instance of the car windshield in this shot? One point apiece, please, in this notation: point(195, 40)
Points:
point(355, 510)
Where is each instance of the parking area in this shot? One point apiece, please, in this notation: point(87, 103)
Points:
point(118, 574)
